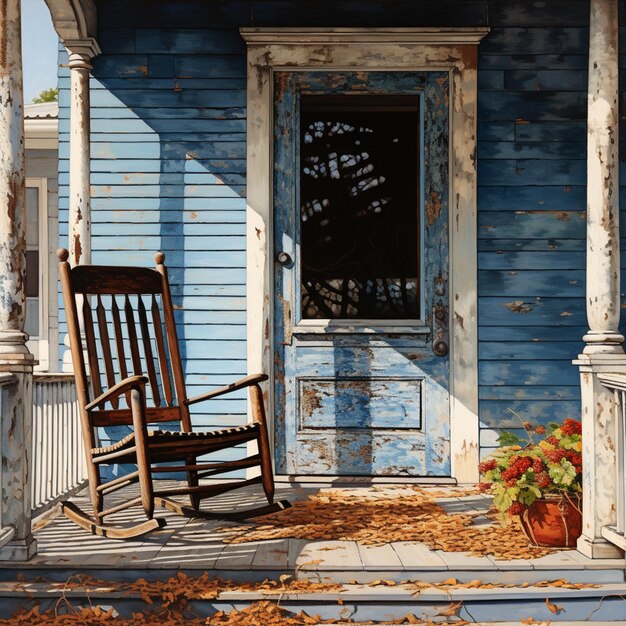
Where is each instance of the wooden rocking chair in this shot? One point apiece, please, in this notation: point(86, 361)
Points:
point(121, 295)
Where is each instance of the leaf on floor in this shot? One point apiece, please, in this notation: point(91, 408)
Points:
point(553, 608)
point(379, 516)
point(452, 610)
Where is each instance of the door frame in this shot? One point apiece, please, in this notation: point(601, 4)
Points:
point(377, 49)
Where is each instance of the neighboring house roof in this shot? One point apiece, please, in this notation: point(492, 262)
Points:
point(41, 125)
point(43, 110)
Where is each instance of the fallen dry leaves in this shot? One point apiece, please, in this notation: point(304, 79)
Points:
point(172, 598)
point(258, 614)
point(454, 584)
point(183, 587)
point(382, 515)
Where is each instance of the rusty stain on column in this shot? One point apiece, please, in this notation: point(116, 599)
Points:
point(79, 201)
point(603, 253)
point(15, 359)
point(12, 183)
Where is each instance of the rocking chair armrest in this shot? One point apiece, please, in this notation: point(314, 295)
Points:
point(117, 390)
point(252, 379)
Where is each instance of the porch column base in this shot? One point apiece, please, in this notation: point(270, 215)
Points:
point(598, 549)
point(16, 401)
point(599, 458)
point(19, 549)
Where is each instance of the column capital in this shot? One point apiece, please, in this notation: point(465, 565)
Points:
point(81, 51)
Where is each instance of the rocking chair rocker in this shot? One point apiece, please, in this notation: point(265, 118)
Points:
point(148, 397)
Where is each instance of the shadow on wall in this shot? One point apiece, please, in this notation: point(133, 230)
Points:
point(168, 173)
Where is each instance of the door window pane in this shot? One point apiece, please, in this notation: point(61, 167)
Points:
point(359, 207)
point(32, 261)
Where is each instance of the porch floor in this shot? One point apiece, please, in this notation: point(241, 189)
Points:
point(196, 544)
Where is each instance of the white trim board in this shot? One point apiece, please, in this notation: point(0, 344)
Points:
point(454, 51)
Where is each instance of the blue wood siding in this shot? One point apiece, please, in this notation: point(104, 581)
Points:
point(168, 132)
point(531, 199)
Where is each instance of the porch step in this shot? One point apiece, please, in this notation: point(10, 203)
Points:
point(603, 604)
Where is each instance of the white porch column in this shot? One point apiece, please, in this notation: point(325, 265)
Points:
point(79, 226)
point(79, 244)
point(16, 540)
point(603, 352)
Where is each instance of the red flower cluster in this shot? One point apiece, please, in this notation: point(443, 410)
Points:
point(552, 440)
point(487, 465)
point(542, 479)
point(571, 427)
point(517, 508)
point(540, 430)
point(538, 466)
point(517, 467)
point(482, 487)
point(556, 455)
point(575, 458)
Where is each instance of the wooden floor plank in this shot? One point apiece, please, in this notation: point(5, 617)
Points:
point(556, 560)
point(414, 556)
point(515, 564)
point(330, 555)
point(194, 545)
point(273, 554)
point(237, 556)
point(380, 557)
point(465, 561)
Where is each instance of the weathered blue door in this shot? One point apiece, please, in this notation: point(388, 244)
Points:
point(361, 273)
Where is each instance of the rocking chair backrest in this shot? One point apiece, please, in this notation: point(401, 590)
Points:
point(128, 328)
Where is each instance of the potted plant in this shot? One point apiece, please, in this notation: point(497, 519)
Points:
point(539, 482)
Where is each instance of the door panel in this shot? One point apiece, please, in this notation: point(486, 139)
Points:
point(361, 273)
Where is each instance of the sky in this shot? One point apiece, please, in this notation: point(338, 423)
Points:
point(39, 49)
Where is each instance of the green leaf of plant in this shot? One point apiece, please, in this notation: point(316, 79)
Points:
point(510, 439)
point(527, 496)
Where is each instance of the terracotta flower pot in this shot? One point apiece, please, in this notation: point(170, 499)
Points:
point(554, 521)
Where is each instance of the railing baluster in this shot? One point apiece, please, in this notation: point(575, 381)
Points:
point(617, 384)
point(621, 464)
point(57, 464)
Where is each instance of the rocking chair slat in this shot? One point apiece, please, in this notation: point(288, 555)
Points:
point(147, 347)
point(208, 490)
point(92, 352)
point(132, 335)
point(122, 506)
point(105, 343)
point(118, 481)
point(213, 468)
point(163, 365)
point(181, 449)
point(109, 489)
point(228, 466)
point(123, 417)
point(172, 450)
point(119, 338)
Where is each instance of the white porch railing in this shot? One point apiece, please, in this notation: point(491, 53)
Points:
point(6, 532)
point(58, 460)
point(617, 384)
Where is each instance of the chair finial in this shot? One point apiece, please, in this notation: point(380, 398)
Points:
point(159, 258)
point(63, 255)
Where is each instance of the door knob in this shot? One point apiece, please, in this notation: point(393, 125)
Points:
point(283, 258)
point(440, 348)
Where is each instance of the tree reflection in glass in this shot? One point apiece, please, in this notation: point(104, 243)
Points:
point(359, 207)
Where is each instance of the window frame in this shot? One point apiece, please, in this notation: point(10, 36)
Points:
point(366, 325)
point(40, 345)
